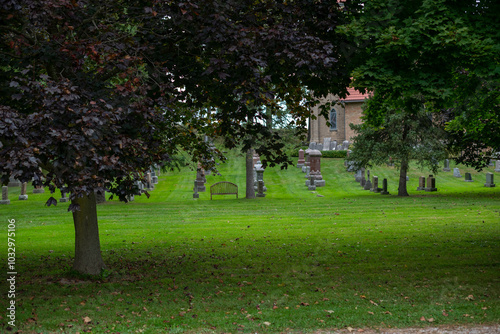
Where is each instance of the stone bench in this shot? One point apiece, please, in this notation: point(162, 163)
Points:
point(223, 188)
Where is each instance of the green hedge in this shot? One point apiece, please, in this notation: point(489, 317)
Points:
point(324, 154)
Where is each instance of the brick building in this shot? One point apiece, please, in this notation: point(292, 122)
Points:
point(342, 114)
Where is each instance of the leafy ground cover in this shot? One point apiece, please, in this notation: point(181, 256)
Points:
point(290, 262)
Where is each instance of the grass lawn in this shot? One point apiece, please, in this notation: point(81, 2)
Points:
point(290, 262)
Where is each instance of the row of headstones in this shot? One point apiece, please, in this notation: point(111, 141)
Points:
point(310, 162)
point(368, 184)
point(151, 180)
point(329, 145)
point(456, 171)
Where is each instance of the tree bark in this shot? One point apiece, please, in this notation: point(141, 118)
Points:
point(88, 258)
point(250, 191)
point(402, 191)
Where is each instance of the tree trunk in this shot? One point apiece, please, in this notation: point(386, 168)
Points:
point(250, 191)
point(402, 179)
point(88, 259)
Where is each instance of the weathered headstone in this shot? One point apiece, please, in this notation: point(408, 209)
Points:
point(200, 182)
point(456, 172)
point(260, 189)
point(312, 145)
point(5, 195)
point(333, 145)
point(100, 196)
point(319, 147)
point(326, 144)
point(468, 177)
point(490, 182)
point(23, 195)
point(311, 185)
point(431, 184)
point(315, 168)
point(13, 182)
point(363, 179)
point(375, 187)
point(345, 145)
point(446, 165)
point(357, 176)
point(368, 183)
point(63, 198)
point(339, 147)
point(306, 158)
point(421, 183)
point(38, 190)
point(301, 160)
point(497, 166)
point(195, 190)
point(149, 184)
point(154, 178)
point(384, 188)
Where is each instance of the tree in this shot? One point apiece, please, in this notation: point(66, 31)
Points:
point(443, 53)
point(98, 92)
point(405, 133)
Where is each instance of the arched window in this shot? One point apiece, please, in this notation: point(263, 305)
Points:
point(333, 119)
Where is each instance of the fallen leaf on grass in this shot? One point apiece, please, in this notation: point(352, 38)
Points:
point(422, 319)
point(86, 320)
point(350, 329)
point(370, 312)
point(267, 323)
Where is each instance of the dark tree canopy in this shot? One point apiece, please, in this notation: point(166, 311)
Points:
point(96, 92)
point(444, 53)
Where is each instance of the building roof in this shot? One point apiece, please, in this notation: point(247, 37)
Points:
point(355, 96)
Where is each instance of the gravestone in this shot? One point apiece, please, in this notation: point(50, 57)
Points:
point(100, 196)
point(497, 166)
point(333, 145)
point(260, 189)
point(23, 195)
point(446, 165)
point(312, 145)
point(357, 176)
point(130, 198)
point(195, 190)
point(311, 185)
point(149, 184)
point(456, 172)
point(489, 180)
point(384, 188)
point(339, 147)
point(319, 147)
point(13, 182)
point(363, 180)
point(326, 144)
point(301, 160)
point(345, 145)
point(200, 182)
point(255, 158)
point(38, 190)
point(375, 187)
point(315, 168)
point(5, 195)
point(306, 158)
point(63, 198)
point(259, 176)
point(468, 177)
point(308, 170)
point(154, 178)
point(431, 184)
point(421, 183)
point(368, 183)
